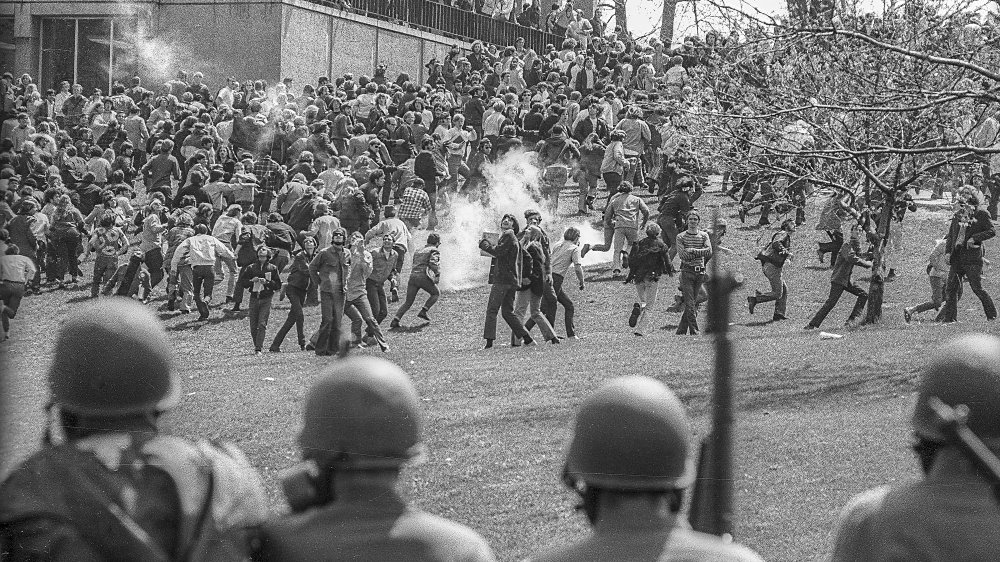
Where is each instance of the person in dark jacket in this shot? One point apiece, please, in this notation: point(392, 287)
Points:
point(281, 238)
point(647, 263)
point(840, 281)
point(427, 168)
point(673, 208)
point(295, 289)
point(535, 282)
point(970, 227)
point(195, 189)
point(557, 155)
point(353, 210)
point(89, 194)
point(772, 259)
point(304, 210)
point(262, 280)
point(505, 276)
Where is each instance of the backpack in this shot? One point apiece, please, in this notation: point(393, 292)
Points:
point(210, 526)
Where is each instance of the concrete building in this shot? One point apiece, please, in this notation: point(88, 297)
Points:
point(97, 42)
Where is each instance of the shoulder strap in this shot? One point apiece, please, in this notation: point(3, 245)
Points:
point(104, 517)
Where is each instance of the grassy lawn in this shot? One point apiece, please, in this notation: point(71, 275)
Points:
point(817, 420)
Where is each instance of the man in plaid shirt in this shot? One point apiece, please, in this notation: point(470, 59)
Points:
point(271, 176)
point(414, 204)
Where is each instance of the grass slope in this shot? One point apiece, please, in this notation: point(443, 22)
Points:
point(817, 421)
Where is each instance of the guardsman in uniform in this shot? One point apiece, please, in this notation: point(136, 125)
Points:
point(362, 424)
point(952, 513)
point(629, 459)
point(108, 486)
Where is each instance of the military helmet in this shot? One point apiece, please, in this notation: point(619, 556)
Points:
point(632, 434)
point(364, 413)
point(965, 371)
point(113, 359)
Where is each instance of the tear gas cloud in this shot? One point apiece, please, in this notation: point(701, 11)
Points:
point(513, 187)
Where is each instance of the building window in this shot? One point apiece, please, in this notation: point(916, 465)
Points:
point(92, 52)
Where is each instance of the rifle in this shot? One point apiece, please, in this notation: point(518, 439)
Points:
point(712, 499)
point(953, 424)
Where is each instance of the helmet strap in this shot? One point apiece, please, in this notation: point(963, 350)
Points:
point(926, 451)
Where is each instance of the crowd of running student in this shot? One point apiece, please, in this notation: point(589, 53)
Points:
point(202, 179)
point(344, 171)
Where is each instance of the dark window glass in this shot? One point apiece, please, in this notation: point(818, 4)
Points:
point(94, 55)
point(57, 52)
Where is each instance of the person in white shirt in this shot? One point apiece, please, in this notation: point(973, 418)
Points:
point(15, 273)
point(228, 229)
point(323, 226)
point(201, 251)
point(563, 256)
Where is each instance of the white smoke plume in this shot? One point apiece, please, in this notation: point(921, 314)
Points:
point(513, 187)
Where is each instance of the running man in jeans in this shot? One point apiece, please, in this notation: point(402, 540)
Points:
point(622, 214)
point(564, 255)
point(937, 274)
point(201, 251)
point(772, 261)
point(425, 275)
point(840, 281)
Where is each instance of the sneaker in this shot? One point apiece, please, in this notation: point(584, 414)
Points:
point(752, 303)
point(554, 341)
point(820, 254)
point(778, 318)
point(274, 350)
point(907, 315)
point(624, 260)
point(309, 347)
point(394, 295)
point(256, 352)
point(633, 318)
point(394, 325)
point(423, 315)
point(584, 250)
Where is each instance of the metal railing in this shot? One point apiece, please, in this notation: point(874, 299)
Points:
point(449, 21)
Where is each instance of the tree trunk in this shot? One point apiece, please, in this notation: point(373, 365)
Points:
point(876, 287)
point(621, 17)
point(667, 23)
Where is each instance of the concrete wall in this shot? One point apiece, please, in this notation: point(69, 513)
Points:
point(247, 39)
point(221, 39)
point(357, 44)
point(305, 45)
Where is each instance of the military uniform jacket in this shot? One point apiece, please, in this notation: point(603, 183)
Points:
point(949, 516)
point(649, 544)
point(381, 528)
point(175, 491)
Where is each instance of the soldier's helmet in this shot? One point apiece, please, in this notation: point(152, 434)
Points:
point(965, 371)
point(363, 414)
point(632, 434)
point(113, 359)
